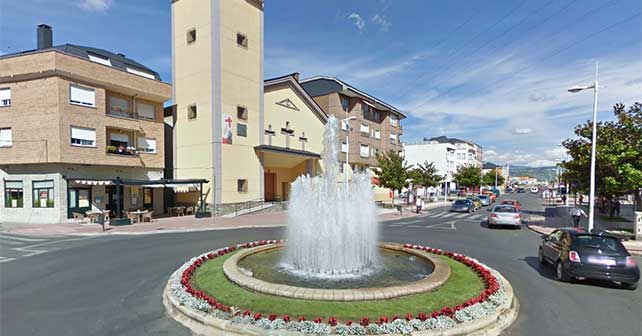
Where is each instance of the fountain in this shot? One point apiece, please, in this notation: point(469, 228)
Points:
point(331, 232)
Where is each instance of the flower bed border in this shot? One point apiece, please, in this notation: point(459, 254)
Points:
point(494, 309)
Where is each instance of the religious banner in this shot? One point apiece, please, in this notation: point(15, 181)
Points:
point(227, 129)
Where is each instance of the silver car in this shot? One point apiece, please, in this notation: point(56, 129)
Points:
point(506, 215)
point(485, 200)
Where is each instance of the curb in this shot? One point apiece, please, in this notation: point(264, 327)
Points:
point(201, 323)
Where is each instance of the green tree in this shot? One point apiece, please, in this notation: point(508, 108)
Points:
point(426, 175)
point(489, 178)
point(392, 171)
point(468, 176)
point(618, 155)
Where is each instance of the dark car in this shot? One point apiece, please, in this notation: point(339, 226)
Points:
point(510, 190)
point(580, 255)
point(463, 206)
point(521, 190)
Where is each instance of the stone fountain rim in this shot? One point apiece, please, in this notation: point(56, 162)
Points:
point(438, 277)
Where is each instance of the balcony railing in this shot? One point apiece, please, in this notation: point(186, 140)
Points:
point(127, 151)
point(127, 114)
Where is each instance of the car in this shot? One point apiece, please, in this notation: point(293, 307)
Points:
point(491, 195)
point(476, 201)
point(463, 205)
point(534, 190)
point(504, 215)
point(485, 200)
point(521, 190)
point(513, 202)
point(510, 190)
point(577, 254)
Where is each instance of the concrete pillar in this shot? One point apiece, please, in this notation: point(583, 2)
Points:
point(638, 225)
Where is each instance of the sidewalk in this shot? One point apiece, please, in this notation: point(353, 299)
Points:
point(185, 224)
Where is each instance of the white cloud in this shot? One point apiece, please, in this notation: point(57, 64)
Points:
point(94, 5)
point(382, 21)
point(358, 21)
point(522, 130)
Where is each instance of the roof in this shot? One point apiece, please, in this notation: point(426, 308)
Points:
point(444, 139)
point(292, 80)
point(118, 61)
point(311, 85)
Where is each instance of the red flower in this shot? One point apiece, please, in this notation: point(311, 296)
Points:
point(447, 311)
point(286, 318)
point(395, 317)
point(257, 316)
point(247, 313)
point(272, 317)
point(301, 318)
point(349, 322)
point(435, 314)
point(422, 316)
point(332, 321)
point(318, 320)
point(409, 317)
point(365, 321)
point(382, 319)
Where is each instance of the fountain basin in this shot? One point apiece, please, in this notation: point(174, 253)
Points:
point(440, 274)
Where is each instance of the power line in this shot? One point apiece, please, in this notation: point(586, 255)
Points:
point(557, 52)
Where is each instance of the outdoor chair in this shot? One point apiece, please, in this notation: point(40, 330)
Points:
point(106, 215)
point(189, 210)
point(79, 216)
point(148, 215)
point(132, 217)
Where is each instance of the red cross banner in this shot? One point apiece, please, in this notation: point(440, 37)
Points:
point(227, 129)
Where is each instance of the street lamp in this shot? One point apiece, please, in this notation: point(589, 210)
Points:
point(576, 89)
point(346, 120)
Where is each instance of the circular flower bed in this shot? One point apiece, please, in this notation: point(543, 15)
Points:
point(487, 302)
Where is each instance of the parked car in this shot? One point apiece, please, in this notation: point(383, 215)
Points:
point(576, 254)
point(534, 190)
point(521, 190)
point(485, 200)
point(476, 201)
point(463, 205)
point(505, 215)
point(514, 203)
point(491, 195)
point(510, 190)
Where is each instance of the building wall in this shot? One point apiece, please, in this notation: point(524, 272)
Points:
point(437, 153)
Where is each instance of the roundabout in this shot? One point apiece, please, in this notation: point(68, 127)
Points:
point(201, 297)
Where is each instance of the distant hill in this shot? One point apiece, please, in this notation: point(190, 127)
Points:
point(540, 173)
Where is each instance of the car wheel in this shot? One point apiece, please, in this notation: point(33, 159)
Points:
point(540, 256)
point(560, 273)
point(631, 286)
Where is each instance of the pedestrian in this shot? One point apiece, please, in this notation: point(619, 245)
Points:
point(581, 199)
point(616, 206)
point(577, 213)
point(563, 199)
point(419, 203)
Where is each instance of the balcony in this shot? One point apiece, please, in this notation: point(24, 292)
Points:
point(121, 151)
point(123, 107)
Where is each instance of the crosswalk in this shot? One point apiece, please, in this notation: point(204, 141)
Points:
point(14, 246)
point(456, 215)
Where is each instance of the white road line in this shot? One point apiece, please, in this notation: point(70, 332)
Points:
point(437, 215)
point(476, 217)
point(32, 251)
point(449, 215)
point(461, 215)
point(5, 259)
point(22, 239)
point(9, 242)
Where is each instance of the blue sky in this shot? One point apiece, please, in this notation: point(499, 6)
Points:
point(493, 72)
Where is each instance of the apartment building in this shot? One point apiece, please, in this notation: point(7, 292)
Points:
point(375, 126)
point(442, 155)
point(72, 120)
point(217, 66)
point(467, 153)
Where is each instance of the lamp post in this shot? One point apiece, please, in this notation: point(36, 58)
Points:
point(346, 120)
point(576, 89)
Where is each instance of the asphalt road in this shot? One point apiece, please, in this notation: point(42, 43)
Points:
point(112, 285)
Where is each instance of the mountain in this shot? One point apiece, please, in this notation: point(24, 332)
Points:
point(540, 173)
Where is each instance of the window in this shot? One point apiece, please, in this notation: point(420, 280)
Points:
point(140, 73)
point(191, 36)
point(83, 96)
point(13, 195)
point(394, 121)
point(83, 137)
point(6, 139)
point(376, 115)
point(99, 59)
point(377, 134)
point(341, 167)
point(393, 138)
point(120, 107)
point(241, 112)
point(345, 103)
point(146, 145)
point(345, 125)
point(43, 194)
point(365, 129)
point(191, 112)
point(146, 111)
point(117, 139)
point(241, 185)
point(365, 110)
point(241, 40)
point(344, 147)
point(5, 97)
point(364, 151)
point(241, 130)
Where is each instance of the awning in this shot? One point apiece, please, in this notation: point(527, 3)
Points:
point(93, 182)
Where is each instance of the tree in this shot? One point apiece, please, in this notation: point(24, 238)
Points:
point(618, 155)
point(468, 176)
point(489, 178)
point(392, 171)
point(426, 175)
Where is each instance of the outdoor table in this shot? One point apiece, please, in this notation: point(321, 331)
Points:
point(93, 215)
point(138, 213)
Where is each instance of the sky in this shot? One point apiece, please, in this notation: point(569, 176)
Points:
point(492, 72)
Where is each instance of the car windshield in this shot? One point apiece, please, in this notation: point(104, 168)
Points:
point(602, 243)
point(504, 208)
point(483, 197)
point(461, 202)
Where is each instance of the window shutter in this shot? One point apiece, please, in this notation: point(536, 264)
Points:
point(5, 137)
point(146, 110)
point(83, 96)
point(119, 137)
point(43, 184)
point(83, 133)
point(5, 94)
point(148, 145)
point(13, 184)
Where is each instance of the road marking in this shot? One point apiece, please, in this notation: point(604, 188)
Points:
point(20, 238)
point(449, 215)
point(462, 215)
point(5, 259)
point(9, 242)
point(446, 226)
point(476, 216)
point(438, 215)
point(395, 225)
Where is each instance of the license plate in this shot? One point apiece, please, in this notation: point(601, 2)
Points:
point(601, 261)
